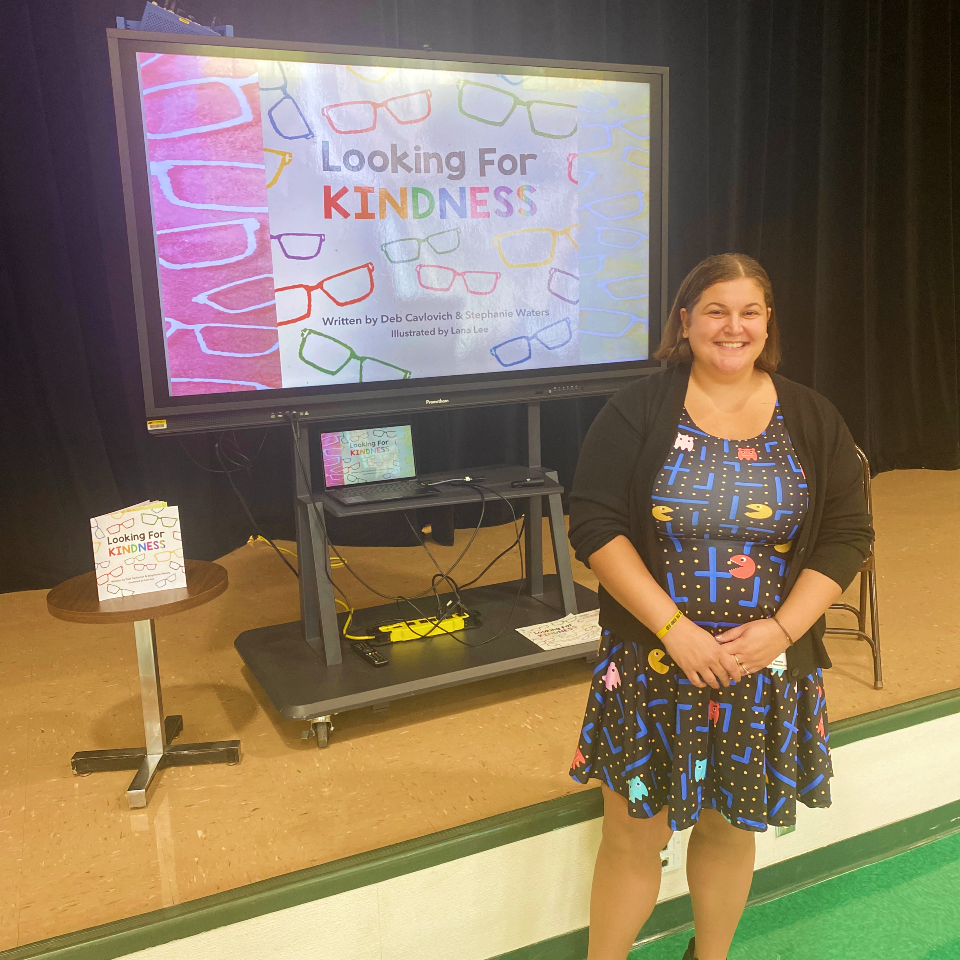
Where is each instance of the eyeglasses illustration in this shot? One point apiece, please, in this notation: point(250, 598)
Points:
point(608, 323)
point(104, 577)
point(299, 246)
point(192, 103)
point(595, 137)
point(96, 548)
point(149, 60)
point(161, 170)
point(637, 157)
point(592, 101)
point(125, 525)
point(241, 334)
point(532, 247)
point(151, 519)
point(591, 266)
point(166, 556)
point(197, 237)
point(622, 206)
point(285, 115)
point(583, 178)
point(371, 74)
point(619, 237)
point(97, 532)
point(174, 565)
point(176, 536)
point(494, 106)
point(330, 355)
point(251, 384)
point(564, 286)
point(344, 288)
point(513, 81)
point(205, 297)
point(479, 282)
point(103, 563)
point(162, 583)
point(518, 350)
point(403, 251)
point(361, 116)
point(284, 159)
point(384, 433)
point(144, 566)
point(116, 591)
point(627, 288)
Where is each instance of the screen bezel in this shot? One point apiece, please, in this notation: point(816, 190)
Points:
point(346, 401)
point(340, 486)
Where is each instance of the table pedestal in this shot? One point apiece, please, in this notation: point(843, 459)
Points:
point(159, 731)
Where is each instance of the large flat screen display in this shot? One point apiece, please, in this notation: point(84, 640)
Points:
point(327, 226)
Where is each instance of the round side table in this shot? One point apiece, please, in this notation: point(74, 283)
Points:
point(76, 600)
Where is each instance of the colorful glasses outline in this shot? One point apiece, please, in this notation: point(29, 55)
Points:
point(558, 334)
point(280, 237)
point(632, 320)
point(604, 285)
point(123, 525)
point(374, 116)
point(432, 277)
point(118, 591)
point(582, 103)
point(286, 97)
point(530, 232)
point(161, 170)
point(393, 255)
point(351, 354)
point(219, 380)
point(355, 71)
point(637, 195)
point(198, 328)
point(600, 257)
point(150, 520)
point(204, 297)
point(514, 102)
point(606, 141)
point(233, 83)
point(560, 287)
point(286, 158)
point(584, 177)
point(644, 156)
point(620, 237)
point(309, 290)
point(104, 577)
point(250, 226)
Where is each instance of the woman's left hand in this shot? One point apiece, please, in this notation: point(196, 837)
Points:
point(755, 644)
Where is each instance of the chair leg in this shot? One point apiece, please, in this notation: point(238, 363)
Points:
point(862, 609)
point(875, 630)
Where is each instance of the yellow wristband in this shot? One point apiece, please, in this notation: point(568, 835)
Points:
point(669, 625)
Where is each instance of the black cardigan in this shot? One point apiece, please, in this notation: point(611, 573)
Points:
point(626, 447)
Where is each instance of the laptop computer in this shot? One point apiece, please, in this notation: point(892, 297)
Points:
point(368, 466)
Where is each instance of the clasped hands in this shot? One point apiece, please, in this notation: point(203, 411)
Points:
point(713, 661)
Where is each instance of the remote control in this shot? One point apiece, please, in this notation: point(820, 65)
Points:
point(363, 649)
point(529, 482)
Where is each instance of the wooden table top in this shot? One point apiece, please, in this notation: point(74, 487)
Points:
point(76, 599)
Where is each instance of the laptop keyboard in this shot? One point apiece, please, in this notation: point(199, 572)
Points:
point(394, 490)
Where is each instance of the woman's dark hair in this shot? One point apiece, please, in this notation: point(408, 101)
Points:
point(717, 269)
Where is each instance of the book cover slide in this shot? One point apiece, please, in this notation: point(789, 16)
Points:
point(138, 550)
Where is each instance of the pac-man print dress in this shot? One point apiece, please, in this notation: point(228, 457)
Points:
point(726, 512)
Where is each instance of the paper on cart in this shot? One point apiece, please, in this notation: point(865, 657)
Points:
point(568, 631)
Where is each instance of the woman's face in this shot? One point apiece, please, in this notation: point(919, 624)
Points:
point(727, 327)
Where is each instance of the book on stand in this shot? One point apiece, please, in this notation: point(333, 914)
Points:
point(138, 550)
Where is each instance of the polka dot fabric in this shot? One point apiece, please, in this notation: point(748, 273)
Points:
point(726, 512)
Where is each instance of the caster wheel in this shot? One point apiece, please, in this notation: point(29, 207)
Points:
point(322, 730)
point(78, 774)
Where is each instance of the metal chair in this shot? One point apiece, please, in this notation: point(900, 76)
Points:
point(868, 593)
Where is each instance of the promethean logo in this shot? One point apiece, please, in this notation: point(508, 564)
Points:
point(428, 402)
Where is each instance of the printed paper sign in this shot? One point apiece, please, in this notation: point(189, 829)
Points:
point(566, 632)
point(138, 550)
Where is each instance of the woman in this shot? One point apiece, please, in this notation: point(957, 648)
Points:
point(721, 508)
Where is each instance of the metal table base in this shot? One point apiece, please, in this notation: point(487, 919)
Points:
point(157, 753)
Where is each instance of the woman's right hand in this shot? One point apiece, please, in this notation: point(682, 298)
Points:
point(700, 657)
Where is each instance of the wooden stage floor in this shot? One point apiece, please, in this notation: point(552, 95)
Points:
point(73, 855)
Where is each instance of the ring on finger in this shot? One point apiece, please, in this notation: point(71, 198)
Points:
point(741, 666)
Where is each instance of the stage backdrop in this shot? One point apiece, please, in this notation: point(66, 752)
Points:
point(820, 137)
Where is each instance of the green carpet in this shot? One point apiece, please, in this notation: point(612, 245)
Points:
point(903, 908)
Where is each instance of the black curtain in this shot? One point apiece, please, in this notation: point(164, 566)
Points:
point(820, 137)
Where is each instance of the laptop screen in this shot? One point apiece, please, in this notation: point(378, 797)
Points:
point(366, 456)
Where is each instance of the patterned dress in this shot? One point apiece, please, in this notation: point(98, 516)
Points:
point(727, 512)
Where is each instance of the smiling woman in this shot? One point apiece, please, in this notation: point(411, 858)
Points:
point(720, 506)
